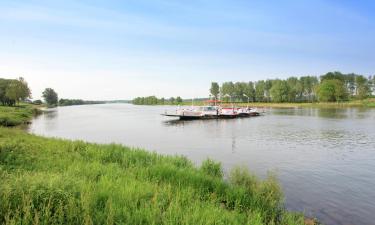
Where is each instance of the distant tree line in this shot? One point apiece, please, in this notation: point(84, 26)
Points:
point(51, 99)
point(152, 100)
point(12, 91)
point(67, 102)
point(333, 86)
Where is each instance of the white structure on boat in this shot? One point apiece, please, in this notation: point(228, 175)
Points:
point(212, 112)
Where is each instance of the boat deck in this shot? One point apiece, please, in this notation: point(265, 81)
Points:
point(197, 116)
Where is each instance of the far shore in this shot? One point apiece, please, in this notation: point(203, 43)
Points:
point(367, 103)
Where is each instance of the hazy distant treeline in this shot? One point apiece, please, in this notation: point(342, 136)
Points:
point(67, 102)
point(333, 86)
point(152, 100)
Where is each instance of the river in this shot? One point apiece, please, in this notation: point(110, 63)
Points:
point(324, 158)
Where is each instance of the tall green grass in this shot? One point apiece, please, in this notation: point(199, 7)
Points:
point(16, 115)
point(53, 181)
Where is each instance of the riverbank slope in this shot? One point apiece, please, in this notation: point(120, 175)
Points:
point(17, 115)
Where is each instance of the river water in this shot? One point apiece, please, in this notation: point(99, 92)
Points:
point(324, 158)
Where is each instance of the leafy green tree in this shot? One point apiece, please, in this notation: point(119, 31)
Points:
point(333, 76)
point(162, 101)
point(363, 87)
point(350, 81)
point(172, 100)
point(239, 91)
point(259, 90)
point(215, 90)
point(4, 83)
point(372, 79)
point(178, 100)
point(267, 89)
point(309, 84)
point(294, 89)
point(18, 90)
point(280, 91)
point(50, 97)
point(227, 89)
point(249, 91)
point(332, 90)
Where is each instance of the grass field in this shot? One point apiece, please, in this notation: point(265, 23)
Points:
point(52, 181)
point(17, 115)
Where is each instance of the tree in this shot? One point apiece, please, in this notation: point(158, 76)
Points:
point(363, 87)
point(294, 89)
point(18, 90)
point(227, 89)
point(333, 76)
point(50, 96)
point(249, 91)
point(162, 101)
point(332, 90)
point(215, 90)
point(171, 100)
point(259, 90)
point(178, 100)
point(350, 83)
point(239, 90)
point(4, 83)
point(309, 84)
point(280, 91)
point(267, 88)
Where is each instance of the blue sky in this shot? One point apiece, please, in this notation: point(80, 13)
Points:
point(122, 49)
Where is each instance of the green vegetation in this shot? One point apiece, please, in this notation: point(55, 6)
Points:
point(16, 115)
point(67, 102)
point(332, 91)
point(152, 100)
point(13, 91)
point(215, 90)
point(52, 181)
point(331, 87)
point(50, 97)
point(369, 102)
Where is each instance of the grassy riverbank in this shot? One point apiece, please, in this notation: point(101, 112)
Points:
point(52, 181)
point(17, 115)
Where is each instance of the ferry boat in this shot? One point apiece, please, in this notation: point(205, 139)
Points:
point(212, 112)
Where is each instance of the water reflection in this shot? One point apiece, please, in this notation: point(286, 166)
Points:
point(50, 114)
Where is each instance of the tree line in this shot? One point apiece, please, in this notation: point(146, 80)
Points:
point(12, 91)
point(330, 87)
point(67, 102)
point(51, 99)
point(152, 100)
